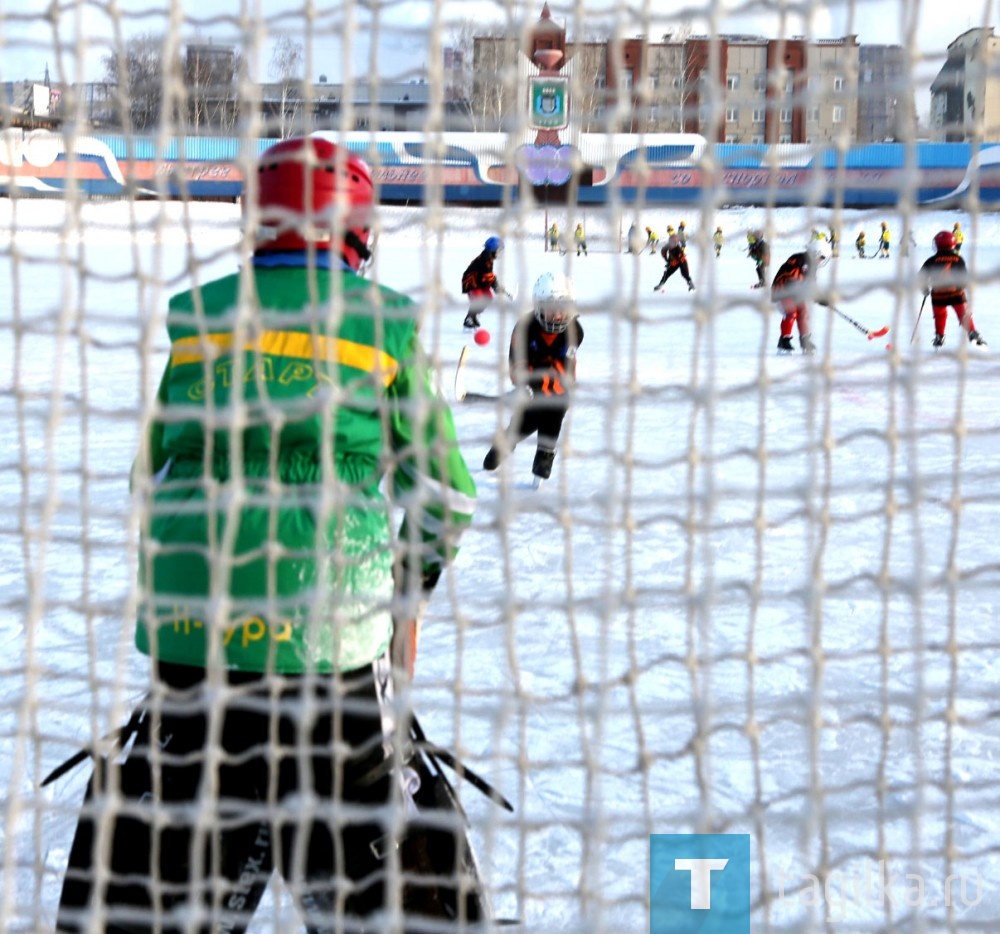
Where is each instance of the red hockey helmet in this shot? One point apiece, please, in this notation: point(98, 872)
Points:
point(311, 191)
point(944, 241)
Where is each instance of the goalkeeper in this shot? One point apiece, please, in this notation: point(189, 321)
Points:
point(276, 603)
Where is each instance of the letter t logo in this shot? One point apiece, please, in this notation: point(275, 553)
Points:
point(701, 878)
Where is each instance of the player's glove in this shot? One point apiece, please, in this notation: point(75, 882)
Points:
point(405, 636)
point(409, 603)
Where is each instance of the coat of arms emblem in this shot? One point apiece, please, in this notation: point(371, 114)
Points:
point(549, 103)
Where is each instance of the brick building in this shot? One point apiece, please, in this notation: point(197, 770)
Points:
point(728, 88)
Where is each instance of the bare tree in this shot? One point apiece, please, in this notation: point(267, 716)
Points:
point(229, 105)
point(674, 81)
point(459, 72)
point(588, 55)
point(137, 70)
point(692, 85)
point(481, 55)
point(494, 81)
point(589, 92)
point(211, 83)
point(663, 83)
point(286, 69)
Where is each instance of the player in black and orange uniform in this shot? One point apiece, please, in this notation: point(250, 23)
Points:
point(944, 277)
point(676, 259)
point(790, 289)
point(542, 357)
point(479, 281)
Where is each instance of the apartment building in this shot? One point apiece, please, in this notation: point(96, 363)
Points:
point(965, 95)
point(886, 105)
point(729, 88)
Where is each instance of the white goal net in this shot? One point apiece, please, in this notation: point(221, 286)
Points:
point(752, 614)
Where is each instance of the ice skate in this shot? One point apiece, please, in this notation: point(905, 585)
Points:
point(785, 345)
point(806, 342)
point(541, 468)
point(492, 459)
point(939, 340)
point(976, 338)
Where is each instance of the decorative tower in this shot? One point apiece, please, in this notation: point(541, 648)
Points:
point(548, 91)
point(548, 165)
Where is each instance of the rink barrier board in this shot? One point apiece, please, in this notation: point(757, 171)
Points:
point(491, 169)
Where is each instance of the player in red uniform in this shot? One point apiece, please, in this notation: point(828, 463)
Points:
point(542, 358)
point(944, 277)
point(790, 289)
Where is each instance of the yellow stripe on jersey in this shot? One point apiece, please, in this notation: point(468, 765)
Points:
point(295, 344)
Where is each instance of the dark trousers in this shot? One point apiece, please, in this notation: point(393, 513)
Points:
point(545, 415)
point(682, 268)
point(169, 832)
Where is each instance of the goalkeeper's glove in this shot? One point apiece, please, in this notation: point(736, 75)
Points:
point(403, 652)
point(408, 610)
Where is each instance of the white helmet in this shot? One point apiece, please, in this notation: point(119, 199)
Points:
point(819, 253)
point(555, 301)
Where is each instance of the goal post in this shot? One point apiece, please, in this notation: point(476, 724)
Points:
point(734, 661)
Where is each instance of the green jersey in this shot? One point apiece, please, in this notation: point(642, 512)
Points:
point(268, 542)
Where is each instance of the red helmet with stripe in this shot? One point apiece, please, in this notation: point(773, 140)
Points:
point(311, 191)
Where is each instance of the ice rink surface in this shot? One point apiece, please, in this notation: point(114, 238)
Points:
point(758, 595)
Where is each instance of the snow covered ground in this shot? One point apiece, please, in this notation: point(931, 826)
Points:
point(758, 595)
